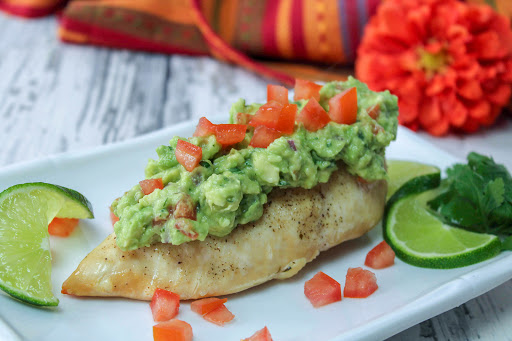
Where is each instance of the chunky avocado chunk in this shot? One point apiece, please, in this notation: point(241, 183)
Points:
point(230, 185)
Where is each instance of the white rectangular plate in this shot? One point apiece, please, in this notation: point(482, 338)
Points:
point(406, 296)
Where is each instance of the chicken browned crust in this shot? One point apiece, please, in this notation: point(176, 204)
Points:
point(296, 226)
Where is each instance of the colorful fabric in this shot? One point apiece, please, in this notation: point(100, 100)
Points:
point(324, 32)
point(31, 8)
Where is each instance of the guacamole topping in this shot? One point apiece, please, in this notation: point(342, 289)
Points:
point(230, 185)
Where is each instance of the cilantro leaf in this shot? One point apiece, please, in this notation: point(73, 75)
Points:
point(477, 196)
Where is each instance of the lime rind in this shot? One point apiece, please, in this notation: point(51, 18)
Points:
point(411, 198)
point(25, 257)
point(74, 204)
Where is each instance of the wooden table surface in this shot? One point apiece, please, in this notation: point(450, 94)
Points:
point(56, 97)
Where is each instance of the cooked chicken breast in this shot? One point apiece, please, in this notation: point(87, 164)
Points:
point(296, 226)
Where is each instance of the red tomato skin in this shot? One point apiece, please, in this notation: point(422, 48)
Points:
point(62, 227)
point(243, 118)
point(264, 136)
point(374, 111)
point(204, 127)
point(305, 89)
point(205, 305)
point(220, 315)
point(277, 93)
point(173, 330)
point(185, 208)
point(260, 335)
point(380, 257)
point(186, 227)
point(359, 283)
point(113, 216)
point(313, 116)
point(286, 121)
point(165, 305)
point(267, 115)
point(322, 290)
point(149, 185)
point(228, 134)
point(188, 154)
point(343, 107)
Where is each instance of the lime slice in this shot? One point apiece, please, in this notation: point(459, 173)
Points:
point(25, 259)
point(420, 238)
point(400, 172)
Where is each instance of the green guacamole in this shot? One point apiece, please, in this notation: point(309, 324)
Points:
point(230, 186)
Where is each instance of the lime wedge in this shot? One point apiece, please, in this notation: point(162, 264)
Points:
point(25, 259)
point(400, 172)
point(420, 238)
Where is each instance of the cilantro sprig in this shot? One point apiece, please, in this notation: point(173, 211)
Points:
point(477, 196)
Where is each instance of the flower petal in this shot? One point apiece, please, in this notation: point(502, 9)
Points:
point(469, 89)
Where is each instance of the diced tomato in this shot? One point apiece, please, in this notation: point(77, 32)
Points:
point(264, 136)
point(260, 335)
point(359, 283)
point(173, 330)
point(149, 185)
point(205, 305)
point(165, 305)
point(322, 290)
point(286, 121)
point(186, 227)
point(62, 227)
point(313, 116)
point(113, 216)
point(188, 154)
point(243, 118)
point(267, 115)
point(185, 208)
point(306, 89)
point(343, 107)
point(275, 116)
point(381, 256)
point(374, 111)
point(228, 134)
point(377, 129)
point(220, 315)
point(277, 93)
point(204, 127)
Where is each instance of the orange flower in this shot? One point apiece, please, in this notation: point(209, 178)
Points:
point(449, 63)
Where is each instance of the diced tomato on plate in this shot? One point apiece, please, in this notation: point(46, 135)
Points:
point(261, 335)
point(205, 305)
point(228, 134)
point(313, 116)
point(305, 89)
point(188, 155)
point(322, 290)
point(173, 330)
point(204, 127)
point(381, 256)
point(62, 227)
point(343, 107)
point(165, 305)
point(360, 283)
point(277, 93)
point(264, 136)
point(220, 315)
